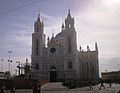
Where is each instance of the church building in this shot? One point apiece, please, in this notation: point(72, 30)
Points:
point(60, 59)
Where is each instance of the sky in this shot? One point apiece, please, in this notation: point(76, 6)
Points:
point(95, 21)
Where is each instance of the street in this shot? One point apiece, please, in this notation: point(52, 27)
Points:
point(58, 88)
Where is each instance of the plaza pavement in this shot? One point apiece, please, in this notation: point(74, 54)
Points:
point(58, 88)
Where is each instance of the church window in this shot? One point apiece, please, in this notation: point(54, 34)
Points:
point(69, 44)
point(37, 28)
point(69, 26)
point(93, 70)
point(36, 66)
point(52, 50)
point(37, 45)
point(70, 65)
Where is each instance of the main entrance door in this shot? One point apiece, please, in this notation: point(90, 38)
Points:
point(53, 74)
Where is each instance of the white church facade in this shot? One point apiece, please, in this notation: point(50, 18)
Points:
point(60, 59)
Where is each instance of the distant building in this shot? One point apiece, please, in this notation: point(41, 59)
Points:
point(2, 75)
point(61, 59)
point(113, 75)
point(5, 75)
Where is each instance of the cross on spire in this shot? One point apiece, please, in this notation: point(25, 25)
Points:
point(69, 11)
point(52, 32)
point(39, 13)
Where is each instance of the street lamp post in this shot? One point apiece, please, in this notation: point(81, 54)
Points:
point(9, 60)
point(2, 65)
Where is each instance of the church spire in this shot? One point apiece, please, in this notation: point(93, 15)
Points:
point(69, 21)
point(96, 47)
point(62, 25)
point(38, 25)
point(88, 49)
point(52, 32)
point(48, 41)
point(38, 14)
point(69, 15)
point(80, 48)
point(38, 19)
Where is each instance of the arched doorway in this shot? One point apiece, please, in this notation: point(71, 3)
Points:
point(53, 74)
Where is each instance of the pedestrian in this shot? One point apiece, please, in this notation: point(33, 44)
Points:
point(109, 82)
point(13, 89)
point(39, 88)
point(102, 84)
point(116, 81)
point(3, 90)
point(90, 84)
point(118, 91)
point(35, 87)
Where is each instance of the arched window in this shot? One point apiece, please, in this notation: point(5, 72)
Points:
point(69, 44)
point(70, 65)
point(37, 47)
point(36, 66)
point(37, 28)
point(69, 26)
point(93, 70)
point(53, 67)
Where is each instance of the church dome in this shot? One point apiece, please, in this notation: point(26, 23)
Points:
point(60, 39)
point(59, 35)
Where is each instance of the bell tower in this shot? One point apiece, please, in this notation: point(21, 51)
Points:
point(70, 46)
point(38, 44)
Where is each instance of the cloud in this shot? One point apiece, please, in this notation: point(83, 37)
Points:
point(110, 64)
point(51, 24)
point(99, 14)
point(18, 41)
point(100, 23)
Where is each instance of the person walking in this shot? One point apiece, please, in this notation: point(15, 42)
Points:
point(35, 87)
point(39, 88)
point(102, 84)
point(90, 84)
point(3, 90)
point(13, 88)
point(110, 82)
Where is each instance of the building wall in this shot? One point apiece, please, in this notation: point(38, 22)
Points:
point(88, 65)
point(112, 75)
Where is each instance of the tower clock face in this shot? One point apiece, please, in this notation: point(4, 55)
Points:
point(52, 50)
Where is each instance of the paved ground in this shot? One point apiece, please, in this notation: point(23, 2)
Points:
point(58, 88)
